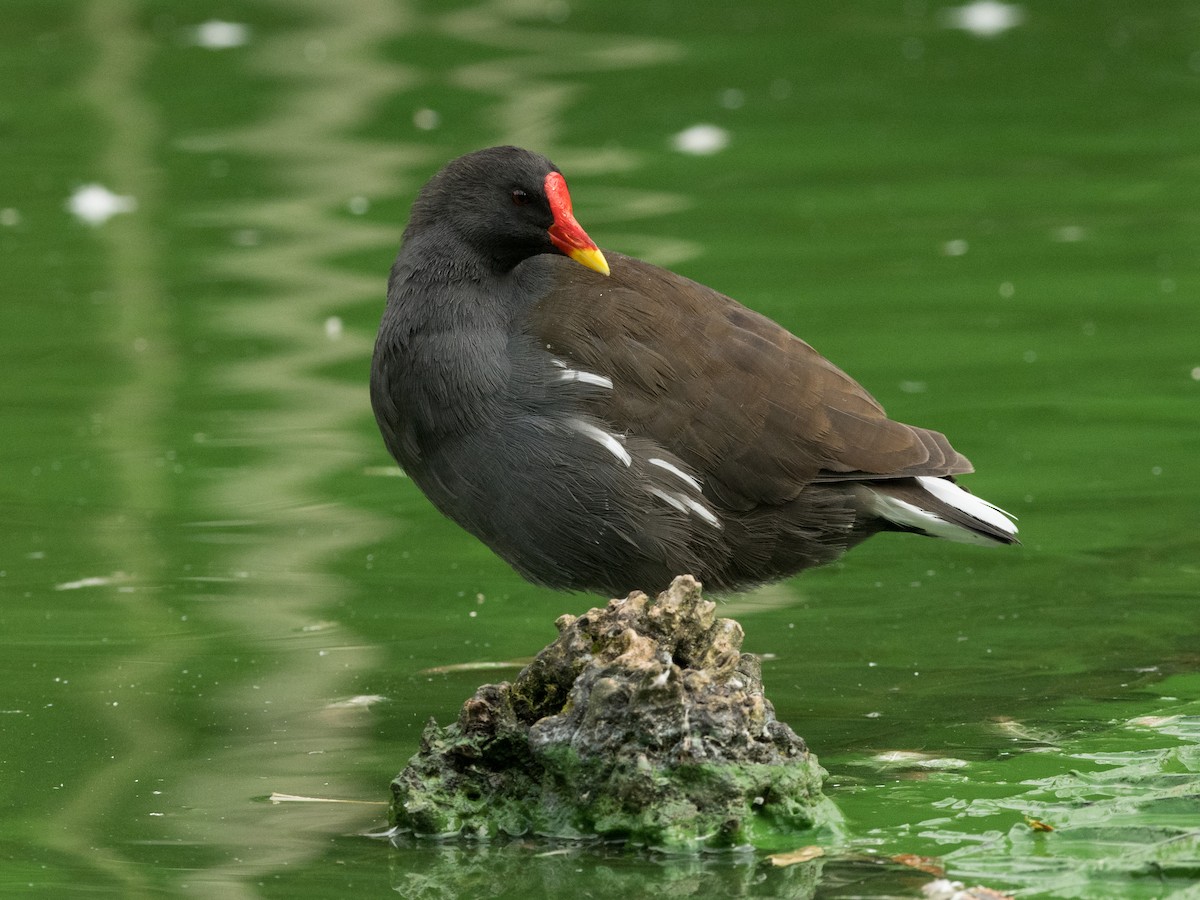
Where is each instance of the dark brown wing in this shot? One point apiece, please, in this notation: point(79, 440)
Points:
point(757, 411)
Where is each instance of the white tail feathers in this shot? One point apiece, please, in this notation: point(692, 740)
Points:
point(954, 514)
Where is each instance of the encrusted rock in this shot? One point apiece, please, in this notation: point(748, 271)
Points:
point(643, 722)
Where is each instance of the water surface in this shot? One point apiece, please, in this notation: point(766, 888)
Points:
point(214, 586)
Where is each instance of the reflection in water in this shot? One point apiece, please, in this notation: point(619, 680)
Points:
point(275, 586)
point(518, 870)
point(308, 430)
point(268, 537)
point(133, 421)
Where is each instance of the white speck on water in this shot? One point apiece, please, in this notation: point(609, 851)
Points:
point(914, 387)
point(1007, 289)
point(218, 35)
point(333, 327)
point(1196, 373)
point(1029, 356)
point(956, 247)
point(732, 98)
point(473, 613)
point(1167, 285)
point(1068, 234)
point(701, 140)
point(9, 217)
point(95, 204)
point(426, 119)
point(246, 237)
point(872, 715)
point(984, 18)
point(1156, 470)
point(358, 205)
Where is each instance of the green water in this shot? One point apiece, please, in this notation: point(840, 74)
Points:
point(213, 587)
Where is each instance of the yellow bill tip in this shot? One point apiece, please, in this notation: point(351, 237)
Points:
point(592, 258)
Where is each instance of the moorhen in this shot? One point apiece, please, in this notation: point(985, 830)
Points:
point(608, 429)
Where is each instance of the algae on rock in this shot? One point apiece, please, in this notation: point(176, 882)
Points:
point(643, 722)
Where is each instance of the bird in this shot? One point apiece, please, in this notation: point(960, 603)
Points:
point(604, 425)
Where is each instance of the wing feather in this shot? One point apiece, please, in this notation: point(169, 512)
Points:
point(756, 410)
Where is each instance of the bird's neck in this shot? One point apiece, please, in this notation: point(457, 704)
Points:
point(439, 257)
point(441, 356)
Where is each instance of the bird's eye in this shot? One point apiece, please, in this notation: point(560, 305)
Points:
point(519, 197)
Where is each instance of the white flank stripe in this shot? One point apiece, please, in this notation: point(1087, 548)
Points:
point(950, 493)
point(668, 499)
point(608, 441)
point(569, 374)
point(687, 505)
point(585, 377)
point(703, 512)
point(674, 470)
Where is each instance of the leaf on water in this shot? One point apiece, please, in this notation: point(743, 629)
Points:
point(93, 581)
point(362, 700)
point(916, 759)
point(792, 857)
point(931, 865)
point(1037, 824)
point(277, 797)
point(385, 472)
point(1153, 721)
point(482, 666)
point(1019, 731)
